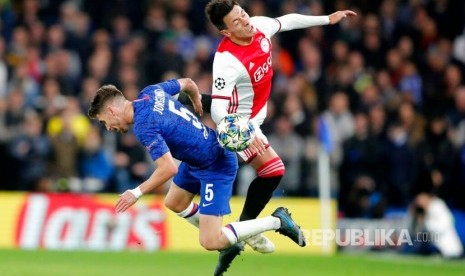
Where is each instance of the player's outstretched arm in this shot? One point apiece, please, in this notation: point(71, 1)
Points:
point(166, 168)
point(294, 21)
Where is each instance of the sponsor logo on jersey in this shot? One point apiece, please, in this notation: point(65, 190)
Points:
point(265, 45)
point(262, 70)
point(220, 83)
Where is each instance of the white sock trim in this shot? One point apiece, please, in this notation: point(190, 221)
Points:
point(249, 228)
point(229, 234)
point(193, 218)
point(186, 212)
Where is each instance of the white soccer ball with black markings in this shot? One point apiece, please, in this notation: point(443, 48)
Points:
point(235, 132)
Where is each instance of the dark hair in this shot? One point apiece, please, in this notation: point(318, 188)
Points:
point(103, 95)
point(216, 10)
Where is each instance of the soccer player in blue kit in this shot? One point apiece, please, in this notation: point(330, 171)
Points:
point(168, 130)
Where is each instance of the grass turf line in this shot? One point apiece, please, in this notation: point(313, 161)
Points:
point(70, 263)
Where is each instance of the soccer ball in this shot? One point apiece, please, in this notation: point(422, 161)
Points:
point(235, 132)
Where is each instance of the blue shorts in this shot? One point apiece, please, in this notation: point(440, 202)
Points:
point(214, 183)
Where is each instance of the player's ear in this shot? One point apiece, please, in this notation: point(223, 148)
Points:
point(111, 110)
point(225, 33)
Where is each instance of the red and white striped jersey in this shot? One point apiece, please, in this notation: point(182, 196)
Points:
point(242, 75)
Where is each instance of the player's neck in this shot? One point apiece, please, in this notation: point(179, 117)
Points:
point(128, 112)
point(242, 41)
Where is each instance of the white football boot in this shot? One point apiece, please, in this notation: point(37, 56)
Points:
point(261, 244)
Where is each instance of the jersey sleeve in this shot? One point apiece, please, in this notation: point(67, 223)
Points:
point(171, 87)
point(225, 76)
point(155, 144)
point(269, 26)
point(294, 21)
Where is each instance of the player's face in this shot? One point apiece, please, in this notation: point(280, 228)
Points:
point(238, 26)
point(112, 121)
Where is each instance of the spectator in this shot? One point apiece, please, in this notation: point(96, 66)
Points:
point(185, 40)
point(357, 173)
point(95, 164)
point(22, 81)
point(166, 59)
point(457, 112)
point(363, 199)
point(296, 113)
point(412, 122)
point(14, 112)
point(436, 159)
point(411, 85)
point(51, 101)
point(401, 165)
point(373, 47)
point(340, 121)
point(64, 156)
point(432, 214)
point(452, 81)
point(340, 124)
point(30, 151)
point(311, 65)
point(291, 184)
point(71, 119)
point(130, 163)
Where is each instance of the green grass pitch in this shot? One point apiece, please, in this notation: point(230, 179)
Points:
point(69, 263)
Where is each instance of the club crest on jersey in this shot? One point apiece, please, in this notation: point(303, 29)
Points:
point(265, 45)
point(220, 83)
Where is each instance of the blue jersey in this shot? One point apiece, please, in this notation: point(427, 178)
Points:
point(163, 124)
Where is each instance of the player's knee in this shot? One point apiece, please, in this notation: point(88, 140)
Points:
point(173, 205)
point(272, 168)
point(209, 243)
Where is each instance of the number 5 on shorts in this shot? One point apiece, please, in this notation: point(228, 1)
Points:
point(209, 192)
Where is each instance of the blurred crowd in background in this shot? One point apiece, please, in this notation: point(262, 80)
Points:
point(387, 86)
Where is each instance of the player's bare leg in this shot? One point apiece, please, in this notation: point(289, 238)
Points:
point(235, 232)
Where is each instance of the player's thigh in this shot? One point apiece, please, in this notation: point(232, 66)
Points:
point(261, 160)
point(185, 185)
point(178, 199)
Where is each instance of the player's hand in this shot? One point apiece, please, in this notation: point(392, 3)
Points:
point(257, 146)
point(197, 103)
point(126, 200)
point(336, 17)
point(192, 90)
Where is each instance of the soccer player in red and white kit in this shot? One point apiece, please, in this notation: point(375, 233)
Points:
point(242, 77)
